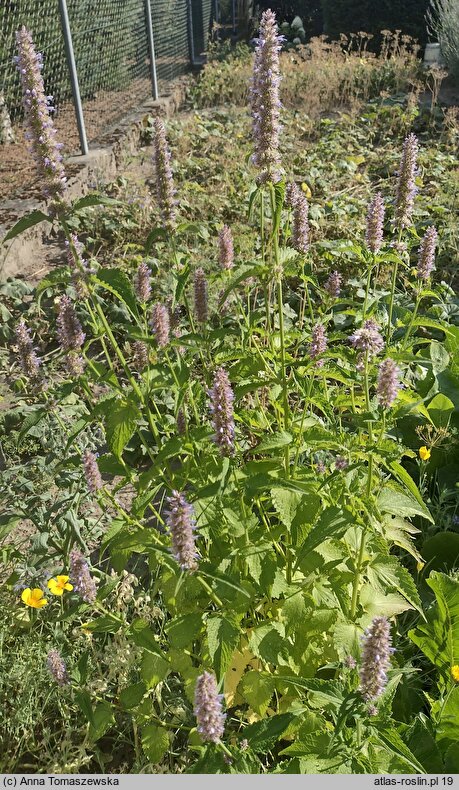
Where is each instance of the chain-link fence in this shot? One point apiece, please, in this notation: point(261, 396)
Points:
point(112, 45)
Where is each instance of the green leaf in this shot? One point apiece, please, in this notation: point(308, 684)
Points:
point(439, 637)
point(393, 500)
point(441, 551)
point(262, 735)
point(131, 696)
point(102, 720)
point(183, 630)
point(421, 741)
point(243, 273)
point(274, 441)
point(286, 504)
point(390, 739)
point(106, 624)
point(222, 639)
point(323, 693)
point(155, 742)
point(267, 641)
point(83, 700)
point(142, 636)
point(26, 222)
point(52, 278)
point(121, 424)
point(440, 410)
point(119, 284)
point(332, 523)
point(157, 234)
point(257, 689)
point(387, 574)
point(153, 669)
point(94, 200)
point(32, 419)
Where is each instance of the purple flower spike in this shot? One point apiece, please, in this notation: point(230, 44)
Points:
point(388, 383)
point(75, 364)
point(376, 655)
point(56, 667)
point(41, 133)
point(142, 283)
point(208, 708)
point(181, 523)
point(333, 284)
point(426, 260)
point(181, 422)
point(226, 248)
point(375, 224)
point(82, 581)
point(165, 191)
point(222, 398)
point(91, 470)
point(140, 355)
point(161, 324)
point(200, 296)
point(300, 224)
point(318, 344)
point(406, 186)
point(368, 339)
point(28, 359)
point(265, 100)
point(291, 194)
point(69, 331)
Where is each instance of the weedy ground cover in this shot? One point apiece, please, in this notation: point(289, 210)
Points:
point(232, 430)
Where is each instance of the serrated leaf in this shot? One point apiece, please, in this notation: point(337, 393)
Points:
point(184, 629)
point(332, 523)
point(393, 500)
point(257, 689)
point(222, 639)
point(121, 424)
point(119, 284)
point(387, 574)
point(153, 669)
point(274, 441)
point(94, 200)
point(157, 234)
point(155, 742)
point(286, 504)
point(264, 734)
point(132, 695)
point(439, 637)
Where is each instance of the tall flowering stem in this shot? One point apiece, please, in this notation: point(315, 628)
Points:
point(226, 248)
point(265, 100)
point(221, 406)
point(81, 578)
point(28, 359)
point(165, 191)
point(373, 238)
point(41, 133)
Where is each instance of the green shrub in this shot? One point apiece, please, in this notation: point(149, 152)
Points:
point(443, 21)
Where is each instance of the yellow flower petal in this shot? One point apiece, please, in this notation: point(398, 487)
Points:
point(68, 586)
point(455, 672)
point(33, 598)
point(424, 453)
point(55, 588)
point(62, 580)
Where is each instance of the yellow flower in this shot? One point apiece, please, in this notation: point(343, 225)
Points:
point(59, 584)
point(455, 672)
point(306, 189)
point(424, 453)
point(33, 598)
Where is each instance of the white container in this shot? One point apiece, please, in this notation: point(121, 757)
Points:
point(432, 55)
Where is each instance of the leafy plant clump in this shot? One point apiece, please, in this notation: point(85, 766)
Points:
point(230, 529)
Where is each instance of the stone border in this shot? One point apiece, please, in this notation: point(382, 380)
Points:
point(104, 160)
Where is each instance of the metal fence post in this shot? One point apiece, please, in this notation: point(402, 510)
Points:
point(73, 76)
point(151, 44)
point(191, 32)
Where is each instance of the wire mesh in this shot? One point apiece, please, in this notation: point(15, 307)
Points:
point(201, 15)
point(170, 32)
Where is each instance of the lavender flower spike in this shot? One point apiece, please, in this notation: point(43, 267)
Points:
point(164, 182)
point(406, 186)
point(426, 260)
point(161, 324)
point(56, 667)
point(300, 223)
point(82, 581)
point(41, 133)
point(208, 708)
point(388, 383)
point(91, 470)
point(69, 331)
point(222, 398)
point(28, 359)
point(375, 224)
point(78, 266)
point(333, 284)
point(142, 283)
point(368, 338)
point(200, 296)
point(181, 523)
point(318, 344)
point(376, 655)
point(140, 355)
point(265, 100)
point(226, 248)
